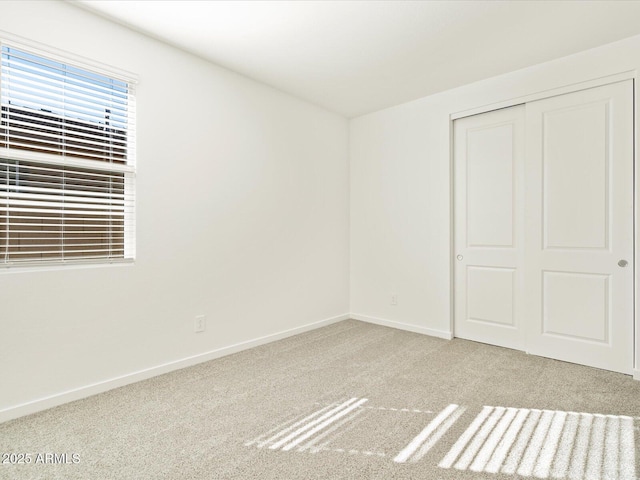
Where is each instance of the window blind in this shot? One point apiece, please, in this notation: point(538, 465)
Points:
point(67, 166)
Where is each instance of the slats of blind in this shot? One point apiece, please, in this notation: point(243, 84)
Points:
point(62, 213)
point(66, 163)
point(57, 109)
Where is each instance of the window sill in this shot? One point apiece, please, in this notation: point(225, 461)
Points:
point(39, 267)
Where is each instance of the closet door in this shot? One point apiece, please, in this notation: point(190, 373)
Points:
point(488, 226)
point(579, 227)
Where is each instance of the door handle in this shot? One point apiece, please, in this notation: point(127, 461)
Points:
point(459, 257)
point(623, 263)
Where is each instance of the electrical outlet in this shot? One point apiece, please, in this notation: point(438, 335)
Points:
point(394, 299)
point(200, 324)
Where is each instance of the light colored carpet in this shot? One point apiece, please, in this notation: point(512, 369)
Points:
point(348, 401)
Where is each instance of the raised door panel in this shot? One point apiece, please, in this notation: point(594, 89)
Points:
point(576, 306)
point(489, 185)
point(576, 170)
point(491, 295)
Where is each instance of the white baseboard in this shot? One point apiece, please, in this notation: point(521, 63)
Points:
point(447, 335)
point(636, 374)
point(99, 387)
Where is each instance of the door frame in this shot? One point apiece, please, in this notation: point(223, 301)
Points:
point(569, 88)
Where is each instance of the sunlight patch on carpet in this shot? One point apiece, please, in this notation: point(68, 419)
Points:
point(546, 444)
point(304, 434)
point(428, 437)
point(353, 426)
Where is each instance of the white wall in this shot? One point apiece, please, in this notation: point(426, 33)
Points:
point(242, 215)
point(400, 189)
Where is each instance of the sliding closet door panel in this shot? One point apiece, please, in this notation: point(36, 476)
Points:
point(488, 170)
point(579, 227)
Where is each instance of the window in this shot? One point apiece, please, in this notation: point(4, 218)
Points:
point(67, 162)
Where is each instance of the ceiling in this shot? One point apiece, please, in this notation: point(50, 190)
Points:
point(356, 57)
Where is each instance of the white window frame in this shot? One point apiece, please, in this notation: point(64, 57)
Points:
point(128, 169)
